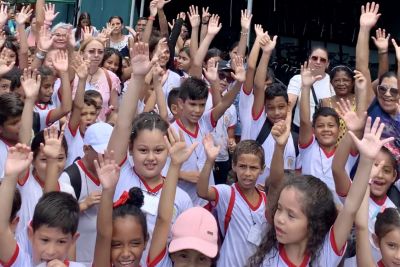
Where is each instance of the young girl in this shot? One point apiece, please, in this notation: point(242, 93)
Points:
point(305, 229)
point(183, 62)
point(112, 61)
point(194, 233)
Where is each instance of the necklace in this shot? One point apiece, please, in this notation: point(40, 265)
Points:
point(93, 75)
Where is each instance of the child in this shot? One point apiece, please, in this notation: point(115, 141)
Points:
point(305, 229)
point(148, 147)
point(112, 61)
point(195, 233)
point(172, 102)
point(53, 228)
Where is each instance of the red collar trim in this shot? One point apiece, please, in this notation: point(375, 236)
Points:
point(260, 199)
point(328, 154)
point(66, 262)
point(285, 258)
point(8, 142)
point(41, 106)
point(194, 135)
point(85, 170)
point(37, 178)
point(379, 202)
point(153, 190)
point(380, 264)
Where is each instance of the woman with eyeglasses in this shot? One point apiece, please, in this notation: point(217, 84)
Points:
point(318, 62)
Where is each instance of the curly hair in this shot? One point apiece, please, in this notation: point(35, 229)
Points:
point(319, 208)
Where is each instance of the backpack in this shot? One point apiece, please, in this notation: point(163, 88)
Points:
point(75, 178)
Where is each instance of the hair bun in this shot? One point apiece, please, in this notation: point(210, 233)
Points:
point(136, 197)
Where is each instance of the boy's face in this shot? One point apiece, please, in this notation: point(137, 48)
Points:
point(192, 110)
point(248, 167)
point(190, 257)
point(46, 89)
point(326, 130)
point(40, 163)
point(50, 243)
point(5, 86)
point(88, 116)
point(276, 109)
point(10, 128)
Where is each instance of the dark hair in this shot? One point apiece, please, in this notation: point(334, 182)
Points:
point(276, 90)
point(172, 97)
point(235, 44)
point(212, 52)
point(16, 206)
point(154, 39)
point(132, 207)
point(142, 18)
point(392, 158)
point(78, 32)
point(89, 98)
point(10, 45)
point(11, 107)
point(45, 72)
point(186, 50)
point(116, 17)
point(343, 68)
point(148, 121)
point(193, 89)
point(14, 75)
point(319, 208)
point(39, 139)
point(248, 147)
point(313, 48)
point(387, 221)
point(108, 52)
point(388, 74)
point(325, 112)
point(57, 210)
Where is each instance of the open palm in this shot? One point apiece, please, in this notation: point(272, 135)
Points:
point(107, 170)
point(212, 150)
point(369, 15)
point(140, 61)
point(18, 159)
point(179, 152)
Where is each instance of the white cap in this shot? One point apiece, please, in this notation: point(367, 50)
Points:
point(97, 136)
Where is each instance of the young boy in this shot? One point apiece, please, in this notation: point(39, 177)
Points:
point(172, 102)
point(53, 229)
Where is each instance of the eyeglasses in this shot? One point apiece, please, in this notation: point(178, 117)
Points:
point(225, 75)
point(321, 59)
point(394, 92)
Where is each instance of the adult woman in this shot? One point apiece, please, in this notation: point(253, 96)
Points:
point(83, 22)
point(117, 39)
point(99, 79)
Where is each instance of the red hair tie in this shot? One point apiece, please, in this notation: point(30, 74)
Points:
point(122, 200)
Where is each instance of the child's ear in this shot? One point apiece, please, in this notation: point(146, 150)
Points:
point(376, 240)
point(14, 224)
point(174, 109)
point(75, 237)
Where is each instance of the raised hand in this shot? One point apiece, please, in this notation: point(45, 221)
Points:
point(52, 146)
point(280, 132)
point(369, 15)
point(87, 32)
point(30, 81)
point(354, 121)
point(397, 50)
point(381, 40)
point(49, 12)
point(131, 31)
point(211, 72)
point(140, 61)
point(238, 68)
point(212, 150)
point(161, 3)
point(205, 15)
point(259, 31)
point(213, 25)
point(45, 39)
point(80, 66)
point(158, 74)
point(360, 80)
point(4, 68)
point(267, 44)
point(179, 152)
point(194, 16)
point(172, 24)
point(307, 76)
point(153, 8)
point(245, 20)
point(104, 35)
point(3, 15)
point(371, 143)
point(71, 38)
point(60, 61)
point(22, 17)
point(107, 170)
point(3, 38)
point(19, 158)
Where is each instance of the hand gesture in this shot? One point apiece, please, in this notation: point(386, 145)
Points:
point(259, 31)
point(107, 170)
point(307, 77)
point(3, 15)
point(30, 81)
point(280, 132)
point(245, 20)
point(268, 45)
point(158, 74)
point(4, 68)
point(153, 8)
point(131, 31)
point(49, 12)
point(211, 72)
point(52, 146)
point(45, 39)
point(60, 61)
point(104, 35)
point(140, 61)
point(213, 25)
point(205, 15)
point(212, 151)
point(397, 50)
point(381, 40)
point(171, 24)
point(92, 199)
point(87, 32)
point(371, 143)
point(179, 152)
point(360, 81)
point(369, 15)
point(161, 3)
point(194, 16)
point(56, 263)
point(25, 13)
point(19, 158)
point(238, 67)
point(3, 38)
point(81, 67)
point(354, 122)
point(71, 39)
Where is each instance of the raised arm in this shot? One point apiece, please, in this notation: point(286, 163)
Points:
point(21, 19)
point(160, 97)
point(252, 60)
point(381, 41)
point(212, 151)
point(174, 38)
point(211, 74)
point(267, 45)
point(39, 13)
point(43, 46)
point(149, 25)
point(141, 65)
point(3, 15)
point(162, 19)
point(194, 19)
point(205, 18)
point(245, 23)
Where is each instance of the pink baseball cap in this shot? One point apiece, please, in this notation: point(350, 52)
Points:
point(196, 228)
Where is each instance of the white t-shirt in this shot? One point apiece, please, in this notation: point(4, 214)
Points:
point(162, 260)
point(129, 178)
point(246, 227)
point(3, 157)
point(74, 139)
point(88, 218)
point(323, 89)
point(173, 80)
point(329, 256)
point(245, 108)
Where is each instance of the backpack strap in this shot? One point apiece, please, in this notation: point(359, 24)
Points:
point(36, 123)
point(228, 214)
point(75, 179)
point(295, 137)
point(264, 132)
point(314, 95)
point(108, 78)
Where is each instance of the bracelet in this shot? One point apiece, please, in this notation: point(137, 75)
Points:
point(151, 18)
point(244, 33)
point(43, 51)
point(47, 23)
point(40, 55)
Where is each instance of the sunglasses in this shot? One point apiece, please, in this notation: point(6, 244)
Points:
point(394, 92)
point(321, 59)
point(225, 75)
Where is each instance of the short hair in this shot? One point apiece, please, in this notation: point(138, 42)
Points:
point(193, 89)
point(276, 90)
point(11, 107)
point(212, 52)
point(45, 72)
point(14, 75)
point(325, 112)
point(388, 74)
point(57, 210)
point(89, 98)
point(248, 147)
point(172, 97)
point(39, 139)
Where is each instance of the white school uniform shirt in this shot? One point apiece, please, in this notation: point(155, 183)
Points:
point(173, 80)
point(44, 119)
point(74, 139)
point(323, 89)
point(31, 190)
point(246, 227)
point(162, 260)
point(198, 158)
point(245, 108)
point(3, 156)
point(129, 178)
point(329, 256)
point(88, 218)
